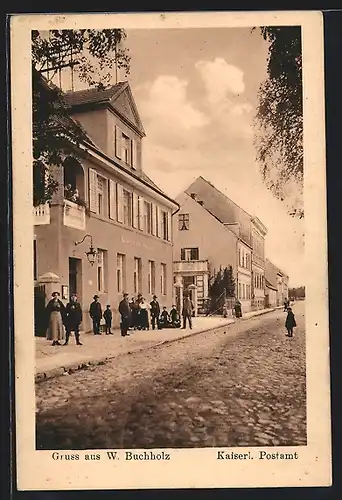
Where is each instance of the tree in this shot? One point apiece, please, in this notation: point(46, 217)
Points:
point(92, 54)
point(222, 286)
point(229, 281)
point(279, 117)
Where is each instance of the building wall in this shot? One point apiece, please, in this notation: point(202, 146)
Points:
point(53, 255)
point(100, 125)
point(216, 243)
point(244, 277)
point(270, 297)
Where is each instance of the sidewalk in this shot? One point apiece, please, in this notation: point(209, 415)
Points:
point(52, 361)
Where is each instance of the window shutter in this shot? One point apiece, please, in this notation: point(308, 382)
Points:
point(141, 213)
point(182, 253)
point(119, 192)
point(134, 153)
point(92, 190)
point(194, 254)
point(135, 211)
point(118, 142)
point(112, 199)
point(169, 228)
point(154, 219)
point(160, 223)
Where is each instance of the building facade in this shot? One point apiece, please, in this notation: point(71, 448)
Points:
point(276, 284)
point(118, 210)
point(259, 232)
point(251, 234)
point(202, 245)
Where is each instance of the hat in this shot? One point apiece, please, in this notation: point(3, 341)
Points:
point(155, 296)
point(95, 297)
point(108, 305)
point(73, 295)
point(55, 293)
point(125, 294)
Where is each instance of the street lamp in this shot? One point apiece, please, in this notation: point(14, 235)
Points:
point(91, 254)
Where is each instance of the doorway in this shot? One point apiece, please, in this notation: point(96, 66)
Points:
point(75, 277)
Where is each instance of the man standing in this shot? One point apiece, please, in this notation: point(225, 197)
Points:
point(188, 308)
point(155, 311)
point(95, 312)
point(73, 319)
point(125, 312)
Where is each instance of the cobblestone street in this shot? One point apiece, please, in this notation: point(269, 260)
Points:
point(240, 385)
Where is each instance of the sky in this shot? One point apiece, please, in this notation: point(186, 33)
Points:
point(196, 91)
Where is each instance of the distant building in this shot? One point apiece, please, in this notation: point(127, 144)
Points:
point(125, 213)
point(202, 245)
point(276, 286)
point(250, 234)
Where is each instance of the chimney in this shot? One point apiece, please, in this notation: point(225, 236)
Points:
point(193, 196)
point(201, 203)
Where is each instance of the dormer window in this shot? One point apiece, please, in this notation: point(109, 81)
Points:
point(125, 147)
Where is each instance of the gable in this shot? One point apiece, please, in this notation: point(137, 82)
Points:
point(125, 105)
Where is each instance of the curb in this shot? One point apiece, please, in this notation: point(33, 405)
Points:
point(68, 370)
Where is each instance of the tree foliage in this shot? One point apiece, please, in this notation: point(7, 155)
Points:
point(222, 286)
point(279, 117)
point(92, 54)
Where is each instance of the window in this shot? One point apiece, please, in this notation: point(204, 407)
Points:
point(243, 291)
point(165, 229)
point(183, 222)
point(127, 207)
point(126, 149)
point(190, 254)
point(151, 278)
point(100, 197)
point(101, 274)
point(163, 279)
point(148, 217)
point(239, 291)
point(239, 257)
point(120, 272)
point(35, 263)
point(137, 275)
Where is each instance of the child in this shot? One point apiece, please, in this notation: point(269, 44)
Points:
point(164, 318)
point(290, 322)
point(174, 316)
point(108, 319)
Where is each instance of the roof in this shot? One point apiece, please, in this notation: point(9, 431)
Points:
point(149, 181)
point(222, 207)
point(270, 285)
point(93, 95)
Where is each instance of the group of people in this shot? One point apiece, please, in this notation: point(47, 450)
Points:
point(136, 314)
point(70, 193)
point(62, 320)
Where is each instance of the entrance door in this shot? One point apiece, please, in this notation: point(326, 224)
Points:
point(75, 277)
point(187, 281)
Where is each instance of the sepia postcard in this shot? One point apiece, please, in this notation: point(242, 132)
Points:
point(171, 321)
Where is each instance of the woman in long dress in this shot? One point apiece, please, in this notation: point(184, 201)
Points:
point(238, 309)
point(55, 311)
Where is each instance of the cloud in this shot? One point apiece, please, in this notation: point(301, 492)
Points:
point(220, 79)
point(171, 119)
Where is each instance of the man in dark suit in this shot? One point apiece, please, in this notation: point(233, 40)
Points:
point(95, 312)
point(125, 313)
point(73, 319)
point(155, 311)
